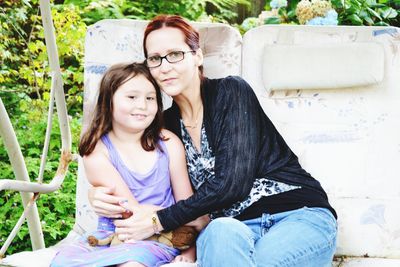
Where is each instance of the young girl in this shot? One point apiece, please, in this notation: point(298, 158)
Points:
point(125, 149)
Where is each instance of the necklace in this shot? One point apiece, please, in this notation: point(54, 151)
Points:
point(193, 126)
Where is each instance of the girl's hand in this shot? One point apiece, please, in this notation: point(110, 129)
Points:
point(104, 203)
point(140, 225)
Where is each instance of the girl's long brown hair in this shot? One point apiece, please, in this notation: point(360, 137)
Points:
point(101, 124)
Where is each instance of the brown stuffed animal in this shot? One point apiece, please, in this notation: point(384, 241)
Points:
point(181, 238)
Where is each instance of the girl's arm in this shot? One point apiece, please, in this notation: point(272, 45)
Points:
point(180, 183)
point(100, 172)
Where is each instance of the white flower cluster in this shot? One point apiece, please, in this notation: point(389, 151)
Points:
point(316, 12)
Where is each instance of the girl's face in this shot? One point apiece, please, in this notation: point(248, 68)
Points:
point(134, 105)
point(173, 78)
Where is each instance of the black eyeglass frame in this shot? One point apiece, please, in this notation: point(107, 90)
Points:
point(166, 58)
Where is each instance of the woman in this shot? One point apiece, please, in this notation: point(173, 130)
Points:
point(265, 209)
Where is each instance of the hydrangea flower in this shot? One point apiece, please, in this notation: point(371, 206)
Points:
point(275, 4)
point(249, 23)
point(316, 12)
point(329, 19)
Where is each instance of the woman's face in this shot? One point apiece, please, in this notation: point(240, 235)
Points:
point(173, 78)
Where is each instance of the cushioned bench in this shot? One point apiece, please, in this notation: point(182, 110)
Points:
point(332, 92)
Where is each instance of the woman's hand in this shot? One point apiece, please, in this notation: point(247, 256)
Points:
point(104, 203)
point(200, 222)
point(140, 225)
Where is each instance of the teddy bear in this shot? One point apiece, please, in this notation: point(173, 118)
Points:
point(181, 238)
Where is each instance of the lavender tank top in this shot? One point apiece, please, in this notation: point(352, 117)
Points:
point(153, 187)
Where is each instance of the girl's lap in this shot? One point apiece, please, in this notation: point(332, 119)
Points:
point(148, 253)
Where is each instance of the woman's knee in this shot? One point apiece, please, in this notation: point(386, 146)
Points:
point(228, 237)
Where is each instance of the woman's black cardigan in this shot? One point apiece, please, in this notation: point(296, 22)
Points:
point(246, 145)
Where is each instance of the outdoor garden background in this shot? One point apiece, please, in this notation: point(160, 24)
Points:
point(25, 84)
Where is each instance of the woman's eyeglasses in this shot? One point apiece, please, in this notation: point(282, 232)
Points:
point(172, 57)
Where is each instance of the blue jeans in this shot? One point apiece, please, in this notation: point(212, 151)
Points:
point(304, 237)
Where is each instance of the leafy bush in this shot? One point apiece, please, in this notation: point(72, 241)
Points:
point(352, 12)
point(23, 55)
point(371, 12)
point(95, 10)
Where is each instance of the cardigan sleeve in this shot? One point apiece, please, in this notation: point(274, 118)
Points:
point(235, 123)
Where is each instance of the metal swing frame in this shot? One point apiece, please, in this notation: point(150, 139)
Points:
point(30, 191)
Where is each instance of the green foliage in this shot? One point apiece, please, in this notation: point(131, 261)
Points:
point(350, 12)
point(95, 10)
point(70, 36)
point(368, 12)
point(24, 64)
point(57, 209)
